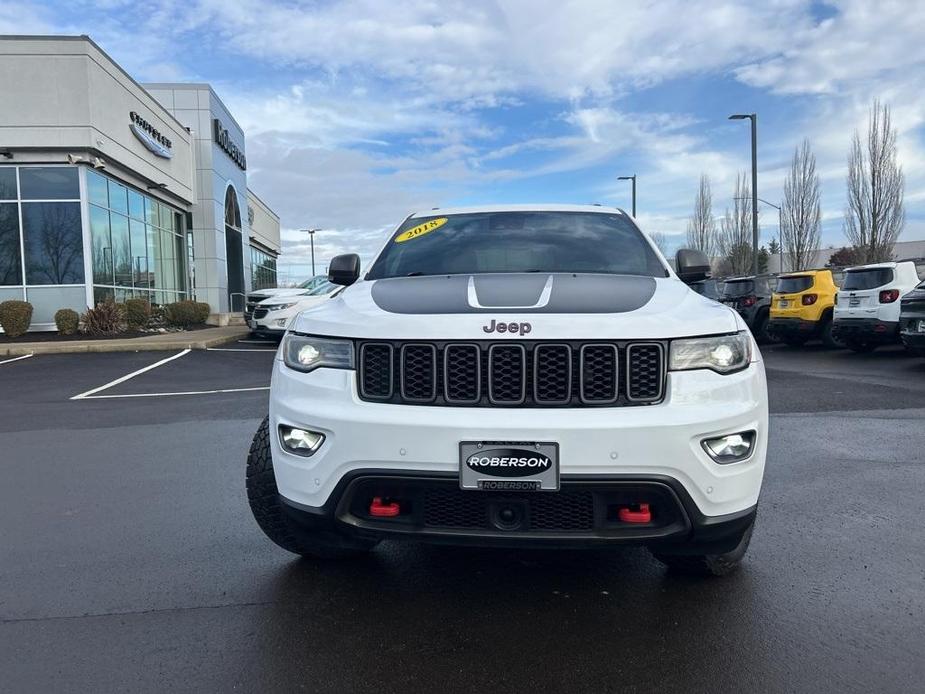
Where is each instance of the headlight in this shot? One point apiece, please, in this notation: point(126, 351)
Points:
point(306, 353)
point(723, 354)
point(280, 307)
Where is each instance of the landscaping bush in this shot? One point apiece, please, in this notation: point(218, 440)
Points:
point(106, 319)
point(184, 314)
point(67, 320)
point(137, 313)
point(15, 317)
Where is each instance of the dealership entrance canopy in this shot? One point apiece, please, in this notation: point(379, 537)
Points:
point(113, 189)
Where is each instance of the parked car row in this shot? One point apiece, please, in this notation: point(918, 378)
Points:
point(859, 308)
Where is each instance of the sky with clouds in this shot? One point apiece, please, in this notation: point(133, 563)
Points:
point(360, 111)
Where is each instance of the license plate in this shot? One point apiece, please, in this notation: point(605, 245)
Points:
point(509, 466)
point(853, 302)
point(922, 326)
point(784, 303)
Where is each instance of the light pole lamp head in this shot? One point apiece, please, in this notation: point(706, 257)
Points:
point(626, 178)
point(742, 116)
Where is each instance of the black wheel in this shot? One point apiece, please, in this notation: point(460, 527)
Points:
point(760, 330)
point(828, 337)
point(794, 341)
point(263, 497)
point(860, 346)
point(708, 564)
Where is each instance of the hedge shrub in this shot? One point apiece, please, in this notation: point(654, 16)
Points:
point(106, 319)
point(184, 314)
point(67, 320)
point(137, 313)
point(15, 317)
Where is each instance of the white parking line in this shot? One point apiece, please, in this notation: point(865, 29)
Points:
point(188, 392)
point(123, 379)
point(9, 361)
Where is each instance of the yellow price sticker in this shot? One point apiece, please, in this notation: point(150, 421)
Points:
point(420, 230)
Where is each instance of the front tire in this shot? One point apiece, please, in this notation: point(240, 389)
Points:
point(761, 329)
point(708, 564)
point(263, 497)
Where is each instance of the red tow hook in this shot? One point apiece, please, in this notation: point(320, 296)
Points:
point(626, 514)
point(381, 509)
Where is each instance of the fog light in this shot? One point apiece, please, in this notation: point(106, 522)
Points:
point(730, 448)
point(300, 441)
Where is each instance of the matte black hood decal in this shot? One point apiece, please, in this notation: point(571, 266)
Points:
point(513, 293)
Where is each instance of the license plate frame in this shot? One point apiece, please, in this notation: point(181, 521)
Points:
point(495, 458)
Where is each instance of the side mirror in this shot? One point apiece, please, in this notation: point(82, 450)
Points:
point(344, 269)
point(691, 265)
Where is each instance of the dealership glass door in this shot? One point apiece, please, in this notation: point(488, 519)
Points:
point(234, 252)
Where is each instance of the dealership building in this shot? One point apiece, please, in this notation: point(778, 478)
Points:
point(110, 188)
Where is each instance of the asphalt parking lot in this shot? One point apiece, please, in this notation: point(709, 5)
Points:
point(129, 559)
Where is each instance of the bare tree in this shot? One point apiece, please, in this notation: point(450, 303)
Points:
point(801, 216)
point(875, 215)
point(735, 236)
point(701, 227)
point(660, 240)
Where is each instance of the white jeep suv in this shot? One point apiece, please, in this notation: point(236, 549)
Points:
point(516, 376)
point(867, 305)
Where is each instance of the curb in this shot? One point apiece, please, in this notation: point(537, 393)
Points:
point(133, 345)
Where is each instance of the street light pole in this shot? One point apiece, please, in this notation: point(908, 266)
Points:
point(633, 179)
point(311, 236)
point(780, 228)
point(753, 117)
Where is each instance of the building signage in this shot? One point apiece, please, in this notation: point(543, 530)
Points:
point(223, 140)
point(150, 136)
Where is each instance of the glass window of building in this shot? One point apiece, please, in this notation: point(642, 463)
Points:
point(263, 269)
point(138, 245)
point(53, 243)
point(10, 258)
point(8, 183)
point(49, 183)
point(40, 226)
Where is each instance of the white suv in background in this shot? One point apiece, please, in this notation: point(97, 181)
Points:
point(516, 376)
point(867, 305)
point(271, 317)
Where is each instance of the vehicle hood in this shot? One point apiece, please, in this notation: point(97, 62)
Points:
point(553, 306)
point(261, 294)
point(301, 298)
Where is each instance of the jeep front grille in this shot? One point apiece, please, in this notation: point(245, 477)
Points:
point(512, 374)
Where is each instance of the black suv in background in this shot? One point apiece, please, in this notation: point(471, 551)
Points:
point(751, 297)
point(712, 289)
point(912, 320)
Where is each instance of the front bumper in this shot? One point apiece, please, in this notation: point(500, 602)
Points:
point(642, 442)
point(866, 330)
point(585, 512)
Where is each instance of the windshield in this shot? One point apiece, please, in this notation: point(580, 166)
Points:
point(324, 288)
point(794, 285)
point(867, 279)
point(740, 288)
point(489, 242)
point(313, 282)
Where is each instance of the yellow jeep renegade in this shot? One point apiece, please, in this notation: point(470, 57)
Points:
point(801, 308)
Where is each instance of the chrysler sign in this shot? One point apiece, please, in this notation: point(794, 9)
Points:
point(223, 140)
point(150, 137)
